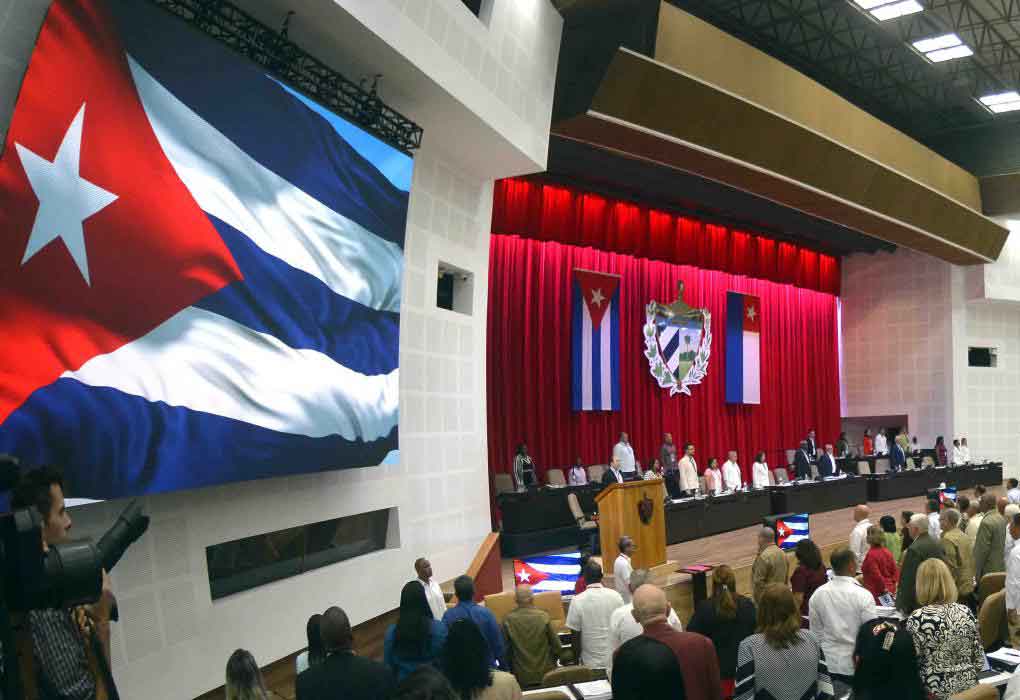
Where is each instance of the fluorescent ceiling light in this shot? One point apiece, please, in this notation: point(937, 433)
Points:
point(941, 55)
point(937, 42)
point(896, 9)
point(869, 4)
point(1000, 98)
point(1005, 107)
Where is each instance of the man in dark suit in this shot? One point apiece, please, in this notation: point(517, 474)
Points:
point(343, 676)
point(924, 547)
point(802, 462)
point(897, 458)
point(613, 475)
point(812, 446)
point(827, 463)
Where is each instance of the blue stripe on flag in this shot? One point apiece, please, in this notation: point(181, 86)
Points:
point(614, 311)
point(113, 444)
point(301, 311)
point(596, 368)
point(249, 108)
point(576, 323)
point(555, 560)
point(734, 347)
point(801, 519)
point(671, 346)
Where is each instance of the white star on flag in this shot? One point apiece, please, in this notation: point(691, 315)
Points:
point(524, 576)
point(65, 198)
point(597, 298)
point(751, 313)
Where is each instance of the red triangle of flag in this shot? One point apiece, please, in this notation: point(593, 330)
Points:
point(524, 574)
point(597, 290)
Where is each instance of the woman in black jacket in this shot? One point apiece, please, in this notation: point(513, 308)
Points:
point(726, 618)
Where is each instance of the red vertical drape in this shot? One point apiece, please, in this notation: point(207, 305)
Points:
point(528, 347)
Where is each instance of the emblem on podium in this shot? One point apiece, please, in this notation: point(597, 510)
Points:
point(645, 509)
point(678, 342)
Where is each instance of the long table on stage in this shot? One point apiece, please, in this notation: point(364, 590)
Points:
point(818, 496)
point(693, 518)
point(910, 483)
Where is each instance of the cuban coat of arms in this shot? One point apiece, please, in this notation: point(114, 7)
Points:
point(678, 341)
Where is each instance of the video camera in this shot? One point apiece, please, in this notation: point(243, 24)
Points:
point(67, 575)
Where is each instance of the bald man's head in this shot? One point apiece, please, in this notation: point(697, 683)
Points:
point(861, 512)
point(335, 630)
point(524, 596)
point(1001, 504)
point(650, 605)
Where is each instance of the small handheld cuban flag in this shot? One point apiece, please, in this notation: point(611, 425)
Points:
point(595, 341)
point(743, 348)
point(791, 530)
point(555, 572)
point(947, 497)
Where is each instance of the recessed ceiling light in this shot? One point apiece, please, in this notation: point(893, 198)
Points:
point(869, 4)
point(941, 55)
point(1005, 107)
point(896, 9)
point(937, 42)
point(1000, 98)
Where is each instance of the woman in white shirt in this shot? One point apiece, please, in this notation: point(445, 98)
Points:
point(577, 476)
point(713, 478)
point(759, 472)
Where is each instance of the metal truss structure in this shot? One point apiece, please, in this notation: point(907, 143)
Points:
point(873, 64)
point(273, 51)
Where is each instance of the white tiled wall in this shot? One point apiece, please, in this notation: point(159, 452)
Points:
point(173, 641)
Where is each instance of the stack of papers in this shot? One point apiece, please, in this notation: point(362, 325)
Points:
point(595, 690)
point(888, 612)
point(562, 689)
point(1010, 658)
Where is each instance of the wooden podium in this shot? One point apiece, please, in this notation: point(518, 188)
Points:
point(623, 510)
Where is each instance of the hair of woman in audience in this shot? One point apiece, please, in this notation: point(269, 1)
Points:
point(809, 555)
point(316, 650)
point(713, 463)
point(778, 616)
point(414, 623)
point(888, 524)
point(876, 536)
point(905, 530)
point(724, 592)
point(244, 680)
point(466, 660)
point(935, 585)
point(939, 440)
point(760, 458)
point(425, 683)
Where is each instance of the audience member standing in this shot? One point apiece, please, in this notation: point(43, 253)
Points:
point(934, 528)
point(623, 451)
point(1008, 512)
point(868, 443)
point(417, 638)
point(859, 535)
point(623, 627)
point(941, 453)
point(809, 575)
point(881, 443)
point(622, 567)
point(886, 663)
point(906, 539)
point(533, 645)
point(782, 661)
point(949, 651)
point(990, 545)
point(467, 609)
point(958, 554)
point(922, 548)
point(838, 609)
point(688, 470)
point(647, 668)
point(577, 475)
point(588, 618)
point(893, 542)
point(974, 521)
point(425, 684)
point(1013, 587)
point(580, 584)
point(1013, 490)
point(434, 594)
point(361, 678)
point(731, 476)
point(963, 505)
point(524, 468)
point(667, 454)
point(727, 619)
point(713, 478)
point(466, 665)
point(244, 679)
point(879, 568)
point(314, 654)
point(694, 653)
point(760, 472)
point(770, 566)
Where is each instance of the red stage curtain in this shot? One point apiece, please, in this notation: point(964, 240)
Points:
point(552, 213)
point(529, 373)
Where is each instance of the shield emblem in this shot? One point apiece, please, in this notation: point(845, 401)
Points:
point(677, 347)
point(678, 341)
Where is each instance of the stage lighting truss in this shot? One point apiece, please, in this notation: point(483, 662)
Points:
point(277, 54)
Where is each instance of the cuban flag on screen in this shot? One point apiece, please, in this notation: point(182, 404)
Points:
point(947, 497)
point(743, 348)
point(595, 341)
point(200, 271)
point(791, 530)
point(555, 572)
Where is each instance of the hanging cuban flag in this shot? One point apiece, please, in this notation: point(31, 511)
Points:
point(596, 341)
point(743, 348)
point(791, 530)
point(556, 572)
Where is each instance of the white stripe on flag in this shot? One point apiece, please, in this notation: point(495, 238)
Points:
point(554, 586)
point(568, 569)
point(585, 358)
point(279, 218)
point(752, 368)
point(606, 338)
point(205, 362)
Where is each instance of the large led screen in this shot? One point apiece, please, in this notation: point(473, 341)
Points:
point(200, 269)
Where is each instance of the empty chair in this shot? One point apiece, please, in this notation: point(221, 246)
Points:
point(780, 475)
point(554, 477)
point(992, 621)
point(989, 584)
point(701, 485)
point(500, 604)
point(568, 674)
point(503, 483)
point(579, 517)
point(814, 470)
point(772, 479)
point(882, 465)
point(863, 467)
point(789, 456)
point(927, 462)
point(911, 466)
point(552, 603)
point(595, 472)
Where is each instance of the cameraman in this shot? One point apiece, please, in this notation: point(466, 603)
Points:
point(60, 637)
